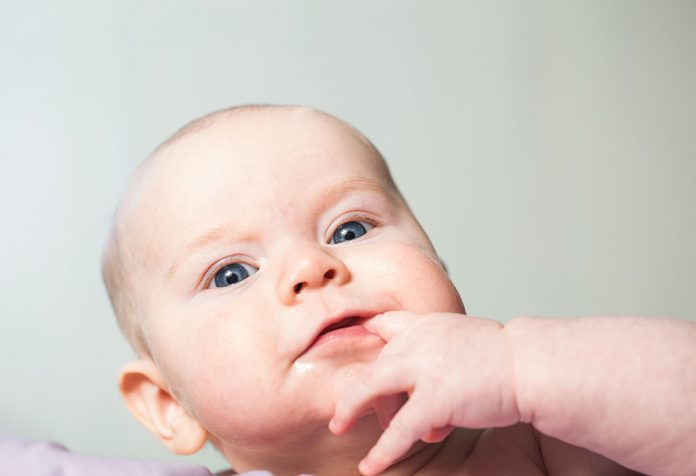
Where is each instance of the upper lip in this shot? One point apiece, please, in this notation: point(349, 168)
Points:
point(349, 317)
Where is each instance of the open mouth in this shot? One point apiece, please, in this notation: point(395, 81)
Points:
point(349, 326)
point(342, 324)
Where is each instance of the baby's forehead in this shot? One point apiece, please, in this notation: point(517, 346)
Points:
point(254, 128)
point(250, 155)
point(260, 143)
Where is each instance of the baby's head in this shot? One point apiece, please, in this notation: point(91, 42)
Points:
point(242, 244)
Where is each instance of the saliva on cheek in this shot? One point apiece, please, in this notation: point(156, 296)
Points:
point(303, 367)
point(318, 371)
point(328, 381)
point(325, 381)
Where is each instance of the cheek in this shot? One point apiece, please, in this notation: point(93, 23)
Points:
point(415, 277)
point(223, 379)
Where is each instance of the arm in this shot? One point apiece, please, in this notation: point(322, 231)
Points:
point(620, 387)
point(623, 387)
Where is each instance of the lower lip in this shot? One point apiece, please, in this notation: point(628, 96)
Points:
point(346, 335)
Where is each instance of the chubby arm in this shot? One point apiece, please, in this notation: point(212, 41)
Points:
point(623, 387)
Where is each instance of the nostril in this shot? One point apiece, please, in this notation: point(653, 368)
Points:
point(330, 274)
point(297, 288)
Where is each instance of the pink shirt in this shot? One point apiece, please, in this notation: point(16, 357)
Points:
point(20, 457)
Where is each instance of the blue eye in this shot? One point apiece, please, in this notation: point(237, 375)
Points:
point(233, 273)
point(349, 231)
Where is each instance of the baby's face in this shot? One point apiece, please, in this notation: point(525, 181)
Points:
point(256, 235)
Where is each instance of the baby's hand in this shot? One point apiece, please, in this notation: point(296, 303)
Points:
point(457, 371)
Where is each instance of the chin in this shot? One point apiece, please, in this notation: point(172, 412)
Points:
point(302, 446)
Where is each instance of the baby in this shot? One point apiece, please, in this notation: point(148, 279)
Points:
point(286, 305)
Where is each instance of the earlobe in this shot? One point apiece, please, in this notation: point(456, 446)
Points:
point(151, 402)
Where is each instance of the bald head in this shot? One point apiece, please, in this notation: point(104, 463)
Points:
point(238, 131)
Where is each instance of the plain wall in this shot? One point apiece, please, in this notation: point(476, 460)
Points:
point(549, 148)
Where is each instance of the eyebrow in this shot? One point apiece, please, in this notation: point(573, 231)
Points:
point(334, 192)
point(211, 235)
point(329, 197)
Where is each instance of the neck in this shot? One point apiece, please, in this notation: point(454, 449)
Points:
point(322, 453)
point(436, 458)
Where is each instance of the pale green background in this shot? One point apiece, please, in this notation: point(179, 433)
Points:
point(548, 147)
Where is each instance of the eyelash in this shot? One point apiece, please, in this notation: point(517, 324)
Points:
point(348, 218)
point(209, 276)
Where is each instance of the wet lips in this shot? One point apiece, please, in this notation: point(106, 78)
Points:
point(347, 322)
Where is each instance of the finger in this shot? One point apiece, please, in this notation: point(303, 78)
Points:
point(436, 435)
point(386, 376)
point(386, 408)
point(407, 427)
point(389, 324)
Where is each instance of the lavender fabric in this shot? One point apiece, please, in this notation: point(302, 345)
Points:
point(20, 457)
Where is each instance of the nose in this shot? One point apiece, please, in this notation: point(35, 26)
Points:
point(310, 267)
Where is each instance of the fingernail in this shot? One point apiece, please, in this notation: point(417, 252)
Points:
point(362, 467)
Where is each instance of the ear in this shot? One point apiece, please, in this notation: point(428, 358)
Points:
point(149, 399)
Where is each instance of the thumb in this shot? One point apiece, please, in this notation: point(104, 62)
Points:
point(388, 324)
